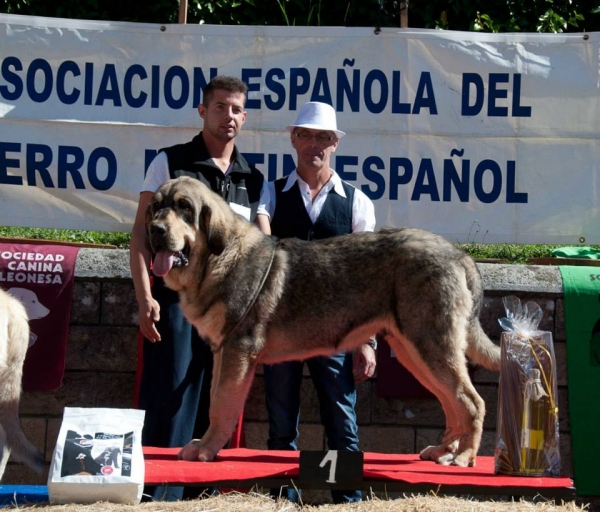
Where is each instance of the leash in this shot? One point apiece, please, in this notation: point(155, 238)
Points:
point(256, 293)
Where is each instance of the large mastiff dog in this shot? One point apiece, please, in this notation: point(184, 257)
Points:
point(256, 300)
point(14, 341)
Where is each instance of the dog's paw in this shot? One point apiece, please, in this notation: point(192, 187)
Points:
point(464, 460)
point(445, 457)
point(437, 454)
point(194, 451)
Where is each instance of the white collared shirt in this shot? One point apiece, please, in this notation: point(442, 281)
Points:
point(363, 211)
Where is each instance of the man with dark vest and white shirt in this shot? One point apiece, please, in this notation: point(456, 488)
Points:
point(314, 203)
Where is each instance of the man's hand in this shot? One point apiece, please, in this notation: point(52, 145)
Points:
point(363, 363)
point(149, 313)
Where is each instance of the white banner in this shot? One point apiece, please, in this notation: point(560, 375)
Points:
point(477, 137)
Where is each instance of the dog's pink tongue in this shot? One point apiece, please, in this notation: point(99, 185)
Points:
point(162, 263)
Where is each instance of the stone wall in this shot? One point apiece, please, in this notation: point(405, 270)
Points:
point(102, 358)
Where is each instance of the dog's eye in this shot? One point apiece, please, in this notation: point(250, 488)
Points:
point(184, 204)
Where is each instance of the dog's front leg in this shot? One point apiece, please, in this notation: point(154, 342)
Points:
point(233, 372)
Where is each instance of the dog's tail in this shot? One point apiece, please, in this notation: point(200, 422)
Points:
point(480, 349)
point(15, 334)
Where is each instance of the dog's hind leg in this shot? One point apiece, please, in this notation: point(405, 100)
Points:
point(464, 424)
point(415, 365)
point(4, 452)
point(417, 368)
point(446, 376)
point(233, 372)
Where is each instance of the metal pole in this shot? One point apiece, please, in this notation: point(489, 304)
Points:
point(183, 5)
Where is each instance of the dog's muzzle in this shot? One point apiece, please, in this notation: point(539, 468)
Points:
point(163, 259)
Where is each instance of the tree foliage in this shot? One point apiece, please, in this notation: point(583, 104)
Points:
point(155, 11)
point(475, 15)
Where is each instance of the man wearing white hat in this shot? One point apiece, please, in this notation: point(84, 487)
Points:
point(314, 203)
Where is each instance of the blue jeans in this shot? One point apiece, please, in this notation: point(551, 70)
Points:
point(175, 386)
point(334, 383)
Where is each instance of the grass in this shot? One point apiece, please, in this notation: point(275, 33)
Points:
point(258, 502)
point(121, 240)
point(512, 253)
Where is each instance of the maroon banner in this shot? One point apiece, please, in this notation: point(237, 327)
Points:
point(41, 277)
point(393, 379)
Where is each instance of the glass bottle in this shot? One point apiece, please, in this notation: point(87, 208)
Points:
point(536, 408)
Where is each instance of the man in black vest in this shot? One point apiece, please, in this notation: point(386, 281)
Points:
point(175, 385)
point(314, 203)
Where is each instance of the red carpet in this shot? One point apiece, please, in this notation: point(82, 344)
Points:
point(392, 471)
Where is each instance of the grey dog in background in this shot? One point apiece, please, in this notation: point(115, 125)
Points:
point(256, 300)
point(14, 341)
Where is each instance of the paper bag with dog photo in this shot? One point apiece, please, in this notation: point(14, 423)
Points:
point(98, 457)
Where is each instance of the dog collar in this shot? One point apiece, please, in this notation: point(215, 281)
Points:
point(256, 293)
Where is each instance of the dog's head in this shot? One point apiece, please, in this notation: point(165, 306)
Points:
point(184, 217)
point(35, 309)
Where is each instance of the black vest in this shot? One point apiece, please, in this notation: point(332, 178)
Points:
point(291, 220)
point(242, 185)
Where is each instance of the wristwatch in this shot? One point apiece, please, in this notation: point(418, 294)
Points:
point(373, 342)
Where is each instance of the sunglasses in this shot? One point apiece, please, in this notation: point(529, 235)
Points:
point(319, 137)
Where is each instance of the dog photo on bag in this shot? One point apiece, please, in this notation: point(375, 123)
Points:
point(255, 299)
point(77, 456)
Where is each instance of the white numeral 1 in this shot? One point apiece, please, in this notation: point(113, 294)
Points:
point(331, 456)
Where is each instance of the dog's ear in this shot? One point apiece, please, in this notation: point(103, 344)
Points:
point(214, 228)
point(148, 220)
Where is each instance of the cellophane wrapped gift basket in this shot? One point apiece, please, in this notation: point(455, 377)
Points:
point(527, 438)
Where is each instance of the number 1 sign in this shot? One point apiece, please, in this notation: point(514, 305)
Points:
point(331, 469)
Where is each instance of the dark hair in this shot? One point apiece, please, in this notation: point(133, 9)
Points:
point(225, 83)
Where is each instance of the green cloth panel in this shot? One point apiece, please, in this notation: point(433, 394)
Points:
point(581, 287)
point(576, 252)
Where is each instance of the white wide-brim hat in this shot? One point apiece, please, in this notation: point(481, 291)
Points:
point(315, 115)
